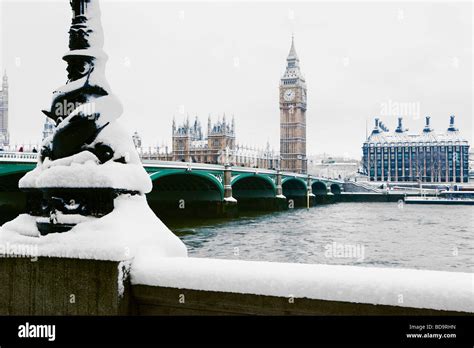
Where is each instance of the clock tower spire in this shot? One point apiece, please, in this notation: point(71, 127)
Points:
point(293, 115)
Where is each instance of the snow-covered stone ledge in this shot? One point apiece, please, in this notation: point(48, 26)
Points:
point(147, 284)
point(212, 286)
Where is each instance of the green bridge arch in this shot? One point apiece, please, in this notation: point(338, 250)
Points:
point(251, 185)
point(187, 185)
point(335, 189)
point(319, 188)
point(294, 187)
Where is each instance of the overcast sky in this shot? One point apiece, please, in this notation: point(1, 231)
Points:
point(209, 58)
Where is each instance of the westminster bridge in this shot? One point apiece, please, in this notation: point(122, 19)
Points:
point(194, 189)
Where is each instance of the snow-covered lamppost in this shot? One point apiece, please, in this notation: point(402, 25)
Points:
point(73, 178)
point(89, 181)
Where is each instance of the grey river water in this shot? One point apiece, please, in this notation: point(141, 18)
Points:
point(365, 234)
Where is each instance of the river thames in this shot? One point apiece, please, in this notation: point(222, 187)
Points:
point(364, 234)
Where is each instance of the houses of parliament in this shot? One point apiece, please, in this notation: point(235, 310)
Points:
point(218, 145)
point(215, 146)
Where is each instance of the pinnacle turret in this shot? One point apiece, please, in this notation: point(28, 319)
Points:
point(292, 55)
point(293, 75)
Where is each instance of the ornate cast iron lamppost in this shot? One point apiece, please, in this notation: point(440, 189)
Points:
point(89, 160)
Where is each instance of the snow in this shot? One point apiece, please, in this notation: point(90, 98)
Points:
point(130, 229)
point(120, 140)
point(80, 158)
point(83, 169)
point(386, 286)
point(67, 218)
point(90, 174)
point(123, 273)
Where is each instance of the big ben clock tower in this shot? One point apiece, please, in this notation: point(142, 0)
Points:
point(293, 116)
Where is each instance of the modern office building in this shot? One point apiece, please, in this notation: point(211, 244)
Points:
point(426, 157)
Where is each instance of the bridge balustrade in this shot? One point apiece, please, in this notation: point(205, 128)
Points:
point(210, 188)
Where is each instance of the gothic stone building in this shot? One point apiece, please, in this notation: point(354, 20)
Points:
point(293, 116)
point(426, 157)
point(4, 136)
point(190, 144)
point(217, 146)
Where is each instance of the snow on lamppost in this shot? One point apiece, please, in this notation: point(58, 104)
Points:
point(89, 179)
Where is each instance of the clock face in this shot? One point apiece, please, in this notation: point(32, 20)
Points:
point(289, 95)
